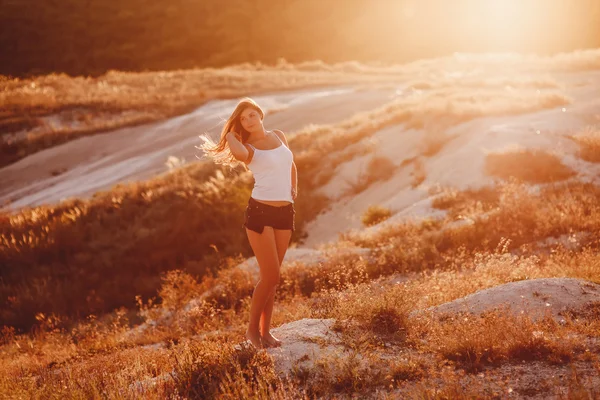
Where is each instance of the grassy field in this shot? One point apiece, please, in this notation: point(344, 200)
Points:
point(85, 360)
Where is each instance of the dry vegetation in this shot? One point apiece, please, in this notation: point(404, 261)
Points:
point(171, 214)
point(418, 173)
point(433, 140)
point(45, 111)
point(378, 168)
point(49, 110)
point(533, 166)
point(77, 277)
point(466, 203)
point(589, 144)
point(452, 357)
point(375, 214)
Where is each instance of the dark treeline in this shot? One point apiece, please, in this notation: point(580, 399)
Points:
point(89, 37)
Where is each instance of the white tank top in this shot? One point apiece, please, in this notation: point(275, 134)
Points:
point(272, 171)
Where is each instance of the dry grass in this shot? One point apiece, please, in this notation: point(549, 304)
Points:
point(381, 311)
point(496, 337)
point(49, 110)
point(203, 369)
point(534, 166)
point(374, 315)
point(122, 225)
point(418, 173)
point(589, 144)
point(155, 215)
point(379, 168)
point(497, 240)
point(522, 217)
point(375, 214)
point(433, 141)
point(158, 213)
point(467, 203)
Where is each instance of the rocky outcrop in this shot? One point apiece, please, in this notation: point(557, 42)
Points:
point(535, 298)
point(303, 342)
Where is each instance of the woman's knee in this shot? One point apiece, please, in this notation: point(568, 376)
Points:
point(271, 280)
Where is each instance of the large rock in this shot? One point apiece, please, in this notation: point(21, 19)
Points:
point(535, 298)
point(303, 342)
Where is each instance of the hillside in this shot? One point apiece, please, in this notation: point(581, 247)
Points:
point(448, 240)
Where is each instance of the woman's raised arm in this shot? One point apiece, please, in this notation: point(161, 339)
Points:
point(239, 151)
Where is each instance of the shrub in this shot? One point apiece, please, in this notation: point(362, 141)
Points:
point(375, 214)
point(378, 169)
point(433, 141)
point(534, 166)
point(589, 144)
point(177, 289)
point(94, 255)
point(206, 369)
point(497, 337)
point(418, 174)
point(470, 201)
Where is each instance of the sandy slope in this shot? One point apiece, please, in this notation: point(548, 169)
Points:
point(460, 163)
point(98, 162)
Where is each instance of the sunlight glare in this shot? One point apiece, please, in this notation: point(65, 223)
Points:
point(505, 20)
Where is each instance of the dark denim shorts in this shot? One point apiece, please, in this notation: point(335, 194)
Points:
point(258, 215)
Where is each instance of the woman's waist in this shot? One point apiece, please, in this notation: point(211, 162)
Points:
point(272, 203)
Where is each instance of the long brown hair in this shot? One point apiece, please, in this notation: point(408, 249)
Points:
point(220, 152)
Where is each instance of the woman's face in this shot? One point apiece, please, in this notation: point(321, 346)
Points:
point(250, 120)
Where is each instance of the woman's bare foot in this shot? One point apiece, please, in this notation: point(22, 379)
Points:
point(255, 339)
point(270, 340)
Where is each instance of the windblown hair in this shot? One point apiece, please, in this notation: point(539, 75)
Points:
point(220, 152)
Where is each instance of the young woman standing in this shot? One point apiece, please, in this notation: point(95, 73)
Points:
point(269, 215)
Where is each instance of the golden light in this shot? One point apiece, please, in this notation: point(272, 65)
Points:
point(501, 11)
point(482, 25)
point(506, 20)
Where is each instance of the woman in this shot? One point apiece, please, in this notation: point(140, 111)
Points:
point(269, 215)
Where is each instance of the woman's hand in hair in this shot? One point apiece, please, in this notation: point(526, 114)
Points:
point(236, 147)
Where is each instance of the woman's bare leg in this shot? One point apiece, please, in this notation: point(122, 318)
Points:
point(282, 240)
point(265, 321)
point(265, 317)
point(265, 250)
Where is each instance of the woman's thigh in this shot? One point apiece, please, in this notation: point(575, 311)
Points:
point(282, 241)
point(264, 246)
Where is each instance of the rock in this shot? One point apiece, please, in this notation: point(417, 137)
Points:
point(303, 342)
point(145, 386)
point(533, 297)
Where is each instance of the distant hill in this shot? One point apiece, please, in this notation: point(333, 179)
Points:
point(89, 37)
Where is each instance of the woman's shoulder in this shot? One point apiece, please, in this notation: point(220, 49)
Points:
point(281, 136)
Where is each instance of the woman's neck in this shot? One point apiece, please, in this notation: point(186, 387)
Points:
point(258, 135)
